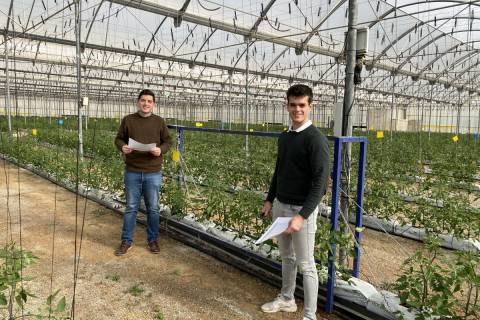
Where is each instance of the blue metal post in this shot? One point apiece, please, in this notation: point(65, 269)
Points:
point(180, 150)
point(334, 222)
point(180, 142)
point(359, 213)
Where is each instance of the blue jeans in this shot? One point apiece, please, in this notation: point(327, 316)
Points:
point(136, 184)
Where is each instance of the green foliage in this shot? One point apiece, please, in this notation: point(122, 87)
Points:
point(113, 277)
point(467, 271)
point(14, 295)
point(173, 195)
point(136, 290)
point(177, 272)
point(158, 314)
point(426, 169)
point(440, 288)
point(55, 308)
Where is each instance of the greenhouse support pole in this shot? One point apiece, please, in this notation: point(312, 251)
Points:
point(469, 114)
point(247, 109)
point(8, 105)
point(438, 117)
point(335, 99)
point(478, 125)
point(87, 110)
point(221, 108)
point(359, 208)
point(392, 107)
point(418, 115)
point(430, 115)
point(452, 120)
point(177, 113)
point(164, 96)
point(180, 142)
point(78, 16)
point(457, 130)
point(230, 103)
point(351, 54)
point(142, 58)
point(334, 224)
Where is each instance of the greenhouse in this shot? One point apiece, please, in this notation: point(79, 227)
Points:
point(395, 92)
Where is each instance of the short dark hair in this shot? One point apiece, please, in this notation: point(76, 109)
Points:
point(146, 92)
point(300, 90)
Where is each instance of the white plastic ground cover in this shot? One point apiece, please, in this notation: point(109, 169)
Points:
point(384, 303)
point(408, 231)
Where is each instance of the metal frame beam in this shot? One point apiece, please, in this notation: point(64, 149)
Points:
point(177, 21)
point(263, 16)
point(407, 59)
point(459, 60)
point(208, 22)
point(407, 32)
point(299, 50)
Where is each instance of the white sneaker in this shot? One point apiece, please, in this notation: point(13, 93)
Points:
point(280, 304)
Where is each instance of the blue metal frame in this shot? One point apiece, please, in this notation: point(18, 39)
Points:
point(337, 165)
point(180, 141)
point(225, 131)
point(337, 168)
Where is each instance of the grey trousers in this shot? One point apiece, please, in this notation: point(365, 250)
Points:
point(297, 250)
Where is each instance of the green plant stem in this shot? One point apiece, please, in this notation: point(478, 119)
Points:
point(10, 303)
point(425, 285)
point(467, 305)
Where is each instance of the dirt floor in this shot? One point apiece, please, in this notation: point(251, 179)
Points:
point(179, 283)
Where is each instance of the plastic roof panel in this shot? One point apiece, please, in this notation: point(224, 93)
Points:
point(203, 42)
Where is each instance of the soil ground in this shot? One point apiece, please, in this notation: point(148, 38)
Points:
point(179, 283)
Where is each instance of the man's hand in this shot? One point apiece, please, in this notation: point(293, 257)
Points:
point(295, 224)
point(156, 151)
point(267, 207)
point(126, 149)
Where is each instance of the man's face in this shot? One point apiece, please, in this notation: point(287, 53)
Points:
point(299, 109)
point(145, 104)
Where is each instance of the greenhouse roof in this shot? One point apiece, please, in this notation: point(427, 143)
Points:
point(415, 48)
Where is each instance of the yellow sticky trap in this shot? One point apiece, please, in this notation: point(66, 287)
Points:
point(455, 138)
point(379, 134)
point(198, 124)
point(117, 121)
point(285, 129)
point(176, 156)
point(263, 124)
point(251, 130)
point(34, 132)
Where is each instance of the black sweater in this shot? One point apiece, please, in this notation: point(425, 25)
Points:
point(301, 170)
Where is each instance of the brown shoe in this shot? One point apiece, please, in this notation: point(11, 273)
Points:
point(124, 247)
point(153, 246)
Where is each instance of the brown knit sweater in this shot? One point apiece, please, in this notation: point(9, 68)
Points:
point(152, 129)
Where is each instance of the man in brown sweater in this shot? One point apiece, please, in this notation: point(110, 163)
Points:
point(143, 169)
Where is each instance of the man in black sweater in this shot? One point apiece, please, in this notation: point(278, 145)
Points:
point(298, 184)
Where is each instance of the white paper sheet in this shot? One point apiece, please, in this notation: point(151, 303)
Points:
point(135, 145)
point(280, 225)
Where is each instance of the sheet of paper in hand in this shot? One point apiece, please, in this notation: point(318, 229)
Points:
point(135, 145)
point(277, 227)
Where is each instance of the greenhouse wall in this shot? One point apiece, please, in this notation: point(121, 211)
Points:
point(405, 118)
